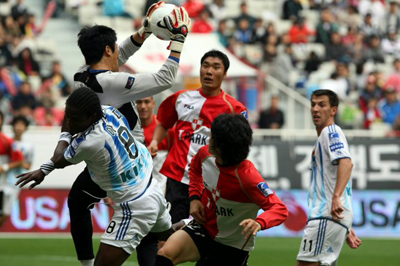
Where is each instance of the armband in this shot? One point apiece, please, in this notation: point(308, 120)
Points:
point(65, 136)
point(47, 167)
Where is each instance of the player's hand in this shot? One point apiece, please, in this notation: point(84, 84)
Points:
point(352, 240)
point(198, 212)
point(108, 201)
point(36, 177)
point(337, 208)
point(153, 148)
point(177, 24)
point(251, 227)
point(145, 31)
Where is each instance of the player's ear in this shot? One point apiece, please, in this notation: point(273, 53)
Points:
point(334, 110)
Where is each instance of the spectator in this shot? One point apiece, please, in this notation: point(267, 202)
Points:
point(325, 27)
point(371, 113)
point(194, 7)
point(18, 10)
point(312, 63)
point(218, 10)
point(259, 34)
point(351, 18)
point(337, 85)
point(203, 24)
point(351, 36)
point(273, 117)
point(27, 63)
point(223, 33)
point(243, 32)
point(371, 90)
point(335, 50)
point(299, 32)
point(291, 9)
point(391, 44)
point(24, 98)
point(392, 17)
point(375, 52)
point(244, 15)
point(115, 8)
point(389, 106)
point(373, 7)
point(394, 78)
point(56, 82)
point(5, 53)
point(369, 29)
point(357, 49)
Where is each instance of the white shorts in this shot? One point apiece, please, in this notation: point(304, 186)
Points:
point(133, 220)
point(10, 195)
point(322, 241)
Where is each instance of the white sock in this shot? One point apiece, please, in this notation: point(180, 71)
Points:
point(87, 262)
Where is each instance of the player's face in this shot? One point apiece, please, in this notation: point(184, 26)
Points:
point(76, 121)
point(212, 73)
point(19, 128)
point(321, 111)
point(145, 107)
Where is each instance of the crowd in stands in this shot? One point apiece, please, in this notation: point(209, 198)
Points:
point(25, 87)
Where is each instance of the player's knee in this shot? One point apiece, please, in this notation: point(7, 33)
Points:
point(166, 252)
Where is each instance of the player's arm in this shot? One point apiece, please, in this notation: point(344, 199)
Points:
point(160, 132)
point(196, 187)
point(343, 177)
point(16, 158)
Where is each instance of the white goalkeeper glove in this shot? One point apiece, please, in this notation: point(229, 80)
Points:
point(144, 32)
point(177, 24)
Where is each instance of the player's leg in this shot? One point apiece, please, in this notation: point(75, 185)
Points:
point(147, 250)
point(81, 222)
point(108, 255)
point(180, 247)
point(178, 196)
point(220, 254)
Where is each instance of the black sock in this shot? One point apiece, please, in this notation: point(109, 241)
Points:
point(163, 261)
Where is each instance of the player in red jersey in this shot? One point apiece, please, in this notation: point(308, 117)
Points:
point(192, 113)
point(226, 192)
point(149, 123)
point(10, 157)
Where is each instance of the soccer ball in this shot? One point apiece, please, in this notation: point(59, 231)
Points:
point(156, 21)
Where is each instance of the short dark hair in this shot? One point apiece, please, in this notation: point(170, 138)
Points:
point(333, 98)
point(217, 54)
point(93, 41)
point(86, 101)
point(232, 137)
point(20, 118)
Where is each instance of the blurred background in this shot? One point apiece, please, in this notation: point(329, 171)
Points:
point(280, 51)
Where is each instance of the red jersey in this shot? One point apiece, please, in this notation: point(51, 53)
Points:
point(166, 143)
point(9, 152)
point(192, 113)
point(230, 195)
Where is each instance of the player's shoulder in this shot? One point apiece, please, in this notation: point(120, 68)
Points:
point(204, 151)
point(332, 130)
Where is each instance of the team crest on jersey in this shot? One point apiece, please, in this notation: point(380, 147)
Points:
point(130, 82)
point(334, 142)
point(244, 113)
point(197, 123)
point(264, 188)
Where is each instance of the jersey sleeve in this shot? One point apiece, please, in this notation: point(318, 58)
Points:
point(126, 49)
point(240, 109)
point(255, 187)
point(167, 114)
point(124, 87)
point(81, 149)
point(196, 186)
point(336, 144)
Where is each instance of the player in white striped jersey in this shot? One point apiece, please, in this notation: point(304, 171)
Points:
point(330, 214)
point(119, 164)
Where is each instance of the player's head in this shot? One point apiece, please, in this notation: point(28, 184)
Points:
point(145, 107)
point(214, 66)
point(324, 106)
point(231, 137)
point(95, 41)
point(82, 109)
point(20, 124)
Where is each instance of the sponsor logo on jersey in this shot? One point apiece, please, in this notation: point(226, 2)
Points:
point(195, 138)
point(330, 250)
point(244, 113)
point(334, 142)
point(188, 106)
point(129, 83)
point(197, 123)
point(264, 188)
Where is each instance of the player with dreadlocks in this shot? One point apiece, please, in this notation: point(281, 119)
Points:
point(118, 164)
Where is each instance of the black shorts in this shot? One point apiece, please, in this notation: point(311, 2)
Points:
point(178, 196)
point(212, 252)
